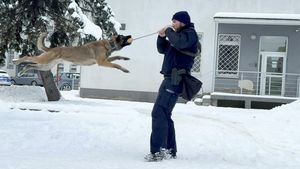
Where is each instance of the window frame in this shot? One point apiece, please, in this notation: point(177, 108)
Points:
point(228, 73)
point(197, 59)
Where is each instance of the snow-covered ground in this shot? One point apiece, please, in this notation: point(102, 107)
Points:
point(78, 133)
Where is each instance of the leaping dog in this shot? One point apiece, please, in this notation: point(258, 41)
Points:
point(96, 52)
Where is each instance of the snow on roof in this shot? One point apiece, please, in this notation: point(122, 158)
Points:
point(258, 18)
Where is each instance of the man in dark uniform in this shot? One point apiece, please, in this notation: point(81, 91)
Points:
point(171, 42)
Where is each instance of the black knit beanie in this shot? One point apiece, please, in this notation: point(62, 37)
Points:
point(182, 16)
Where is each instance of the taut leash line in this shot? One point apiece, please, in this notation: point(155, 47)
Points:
point(145, 36)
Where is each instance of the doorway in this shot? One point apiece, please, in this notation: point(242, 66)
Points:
point(272, 73)
point(273, 52)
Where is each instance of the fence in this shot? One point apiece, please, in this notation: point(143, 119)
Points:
point(257, 83)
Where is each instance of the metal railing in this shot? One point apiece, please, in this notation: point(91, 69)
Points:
point(257, 83)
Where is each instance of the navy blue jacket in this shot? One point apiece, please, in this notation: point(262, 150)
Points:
point(186, 39)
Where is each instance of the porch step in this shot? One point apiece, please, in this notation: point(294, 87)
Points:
point(248, 101)
point(204, 101)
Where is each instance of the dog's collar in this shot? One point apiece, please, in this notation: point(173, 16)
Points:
point(112, 46)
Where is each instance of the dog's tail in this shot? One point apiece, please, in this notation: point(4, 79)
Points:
point(41, 42)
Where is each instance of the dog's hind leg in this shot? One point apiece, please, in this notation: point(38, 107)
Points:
point(113, 58)
point(44, 58)
point(33, 66)
point(32, 59)
point(20, 60)
point(113, 65)
point(26, 68)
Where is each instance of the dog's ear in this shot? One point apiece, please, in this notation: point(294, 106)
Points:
point(118, 39)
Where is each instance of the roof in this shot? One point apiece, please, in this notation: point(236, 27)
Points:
point(257, 18)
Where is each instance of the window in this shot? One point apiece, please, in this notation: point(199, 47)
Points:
point(228, 55)
point(273, 44)
point(60, 67)
point(197, 60)
point(123, 26)
point(73, 68)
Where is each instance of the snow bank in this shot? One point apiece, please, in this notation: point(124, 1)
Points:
point(22, 94)
point(291, 107)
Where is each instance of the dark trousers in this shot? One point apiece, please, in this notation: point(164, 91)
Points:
point(163, 131)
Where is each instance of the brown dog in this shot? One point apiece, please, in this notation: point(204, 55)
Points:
point(97, 52)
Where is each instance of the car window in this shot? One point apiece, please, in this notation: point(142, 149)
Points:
point(76, 76)
point(29, 75)
point(68, 75)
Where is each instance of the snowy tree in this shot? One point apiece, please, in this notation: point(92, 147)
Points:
point(22, 21)
point(102, 25)
point(75, 21)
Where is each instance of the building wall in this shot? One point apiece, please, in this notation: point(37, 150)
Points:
point(250, 48)
point(249, 53)
point(144, 17)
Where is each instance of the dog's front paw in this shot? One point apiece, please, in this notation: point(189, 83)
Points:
point(125, 70)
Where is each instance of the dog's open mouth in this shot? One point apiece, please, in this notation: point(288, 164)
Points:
point(125, 40)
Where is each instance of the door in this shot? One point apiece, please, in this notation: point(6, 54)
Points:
point(272, 73)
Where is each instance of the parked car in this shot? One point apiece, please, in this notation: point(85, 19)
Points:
point(67, 81)
point(33, 79)
point(4, 78)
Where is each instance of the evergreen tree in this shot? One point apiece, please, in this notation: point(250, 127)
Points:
point(21, 22)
